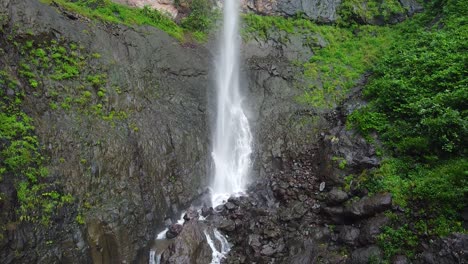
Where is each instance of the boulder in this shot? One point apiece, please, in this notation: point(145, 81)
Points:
point(371, 228)
point(305, 252)
point(189, 247)
point(191, 214)
point(336, 196)
point(400, 259)
point(348, 235)
point(227, 225)
point(206, 211)
point(451, 249)
point(268, 250)
point(369, 206)
point(174, 231)
point(230, 206)
point(366, 255)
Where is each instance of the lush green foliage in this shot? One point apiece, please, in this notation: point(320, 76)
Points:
point(108, 11)
point(196, 24)
point(201, 17)
point(398, 241)
point(418, 106)
point(358, 11)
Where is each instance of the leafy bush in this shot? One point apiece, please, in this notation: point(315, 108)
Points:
point(421, 89)
point(417, 104)
point(397, 241)
point(201, 16)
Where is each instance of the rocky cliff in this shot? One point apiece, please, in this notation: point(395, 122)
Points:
point(122, 115)
point(132, 148)
point(322, 11)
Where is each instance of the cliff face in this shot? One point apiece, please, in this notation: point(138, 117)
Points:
point(132, 148)
point(128, 134)
point(322, 11)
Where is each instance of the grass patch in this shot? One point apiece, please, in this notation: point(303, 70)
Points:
point(196, 25)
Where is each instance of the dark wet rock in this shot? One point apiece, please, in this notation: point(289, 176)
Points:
point(132, 180)
point(411, 6)
point(336, 196)
point(349, 235)
point(322, 234)
point(191, 214)
point(230, 206)
point(254, 241)
point(174, 230)
point(451, 249)
point(167, 222)
point(369, 206)
point(303, 252)
point(271, 233)
point(400, 259)
point(336, 213)
point(366, 255)
point(268, 250)
point(206, 211)
point(371, 228)
point(227, 225)
point(219, 208)
point(189, 247)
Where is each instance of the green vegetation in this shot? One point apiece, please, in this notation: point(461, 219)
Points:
point(342, 55)
point(196, 24)
point(398, 241)
point(418, 106)
point(68, 77)
point(358, 12)
point(21, 161)
point(200, 19)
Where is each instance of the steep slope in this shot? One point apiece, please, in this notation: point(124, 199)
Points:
point(121, 118)
point(125, 133)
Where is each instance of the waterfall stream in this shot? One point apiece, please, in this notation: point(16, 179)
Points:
point(232, 143)
point(232, 140)
point(232, 137)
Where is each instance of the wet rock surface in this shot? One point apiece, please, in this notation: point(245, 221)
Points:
point(137, 173)
point(127, 174)
point(190, 246)
point(282, 220)
point(327, 11)
point(133, 180)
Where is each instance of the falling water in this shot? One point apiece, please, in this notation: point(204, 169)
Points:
point(232, 137)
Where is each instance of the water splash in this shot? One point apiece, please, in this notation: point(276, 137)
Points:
point(232, 137)
point(217, 255)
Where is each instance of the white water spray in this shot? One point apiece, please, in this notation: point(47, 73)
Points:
point(232, 138)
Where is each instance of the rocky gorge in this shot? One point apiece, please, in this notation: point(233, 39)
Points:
point(123, 118)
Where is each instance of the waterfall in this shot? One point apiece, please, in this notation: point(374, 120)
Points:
point(232, 137)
